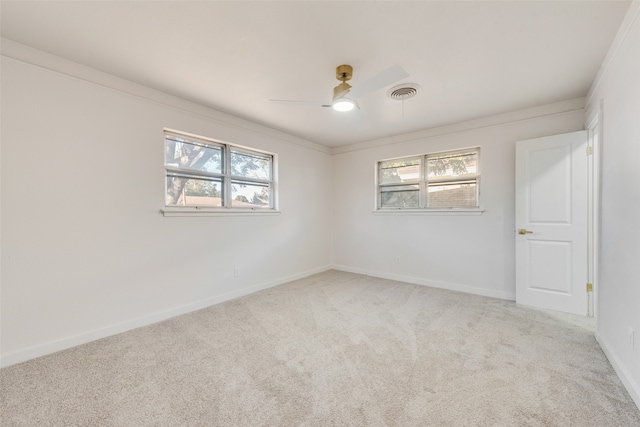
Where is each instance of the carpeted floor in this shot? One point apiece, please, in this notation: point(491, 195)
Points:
point(333, 349)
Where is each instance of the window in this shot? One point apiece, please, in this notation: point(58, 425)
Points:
point(204, 173)
point(447, 180)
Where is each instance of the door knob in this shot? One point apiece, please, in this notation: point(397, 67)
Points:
point(523, 231)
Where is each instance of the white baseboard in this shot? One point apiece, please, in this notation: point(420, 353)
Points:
point(96, 334)
point(511, 296)
point(632, 386)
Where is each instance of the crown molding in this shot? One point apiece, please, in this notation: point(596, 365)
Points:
point(628, 23)
point(41, 59)
point(554, 109)
point(26, 54)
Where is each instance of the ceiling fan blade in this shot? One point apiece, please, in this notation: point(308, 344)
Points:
point(291, 102)
point(380, 80)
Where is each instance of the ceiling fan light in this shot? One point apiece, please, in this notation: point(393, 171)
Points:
point(343, 104)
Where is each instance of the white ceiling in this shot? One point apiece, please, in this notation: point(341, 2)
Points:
point(472, 59)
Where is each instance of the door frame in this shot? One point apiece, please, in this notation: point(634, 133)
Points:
point(594, 185)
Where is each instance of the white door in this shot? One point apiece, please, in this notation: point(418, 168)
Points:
point(551, 222)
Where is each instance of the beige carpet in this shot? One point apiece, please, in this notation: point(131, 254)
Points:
point(334, 349)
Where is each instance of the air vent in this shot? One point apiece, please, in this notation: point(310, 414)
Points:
point(403, 91)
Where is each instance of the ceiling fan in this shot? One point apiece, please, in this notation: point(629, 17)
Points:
point(345, 97)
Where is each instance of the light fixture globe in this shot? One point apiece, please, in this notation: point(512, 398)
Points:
point(343, 104)
point(340, 100)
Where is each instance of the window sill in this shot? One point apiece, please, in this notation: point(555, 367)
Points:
point(194, 211)
point(451, 211)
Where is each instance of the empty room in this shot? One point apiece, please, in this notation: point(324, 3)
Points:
point(319, 213)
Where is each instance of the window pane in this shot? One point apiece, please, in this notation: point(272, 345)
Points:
point(250, 165)
point(186, 155)
point(452, 195)
point(399, 171)
point(449, 165)
point(401, 196)
point(245, 194)
point(182, 191)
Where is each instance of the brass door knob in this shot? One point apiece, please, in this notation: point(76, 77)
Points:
point(523, 231)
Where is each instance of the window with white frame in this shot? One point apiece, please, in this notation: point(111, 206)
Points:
point(205, 173)
point(446, 180)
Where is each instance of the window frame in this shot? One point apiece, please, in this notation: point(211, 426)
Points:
point(423, 181)
point(226, 178)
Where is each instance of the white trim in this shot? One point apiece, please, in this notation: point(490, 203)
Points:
point(451, 211)
point(633, 14)
point(627, 379)
point(594, 179)
point(86, 337)
point(511, 296)
point(22, 53)
point(195, 211)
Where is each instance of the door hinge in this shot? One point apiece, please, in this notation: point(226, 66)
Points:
point(589, 151)
point(589, 287)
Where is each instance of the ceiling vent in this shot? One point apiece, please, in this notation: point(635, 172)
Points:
point(403, 91)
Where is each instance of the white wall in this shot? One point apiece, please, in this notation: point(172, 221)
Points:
point(85, 251)
point(617, 90)
point(86, 254)
point(467, 253)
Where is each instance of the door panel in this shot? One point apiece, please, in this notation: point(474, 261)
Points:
point(551, 208)
point(551, 168)
point(550, 266)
